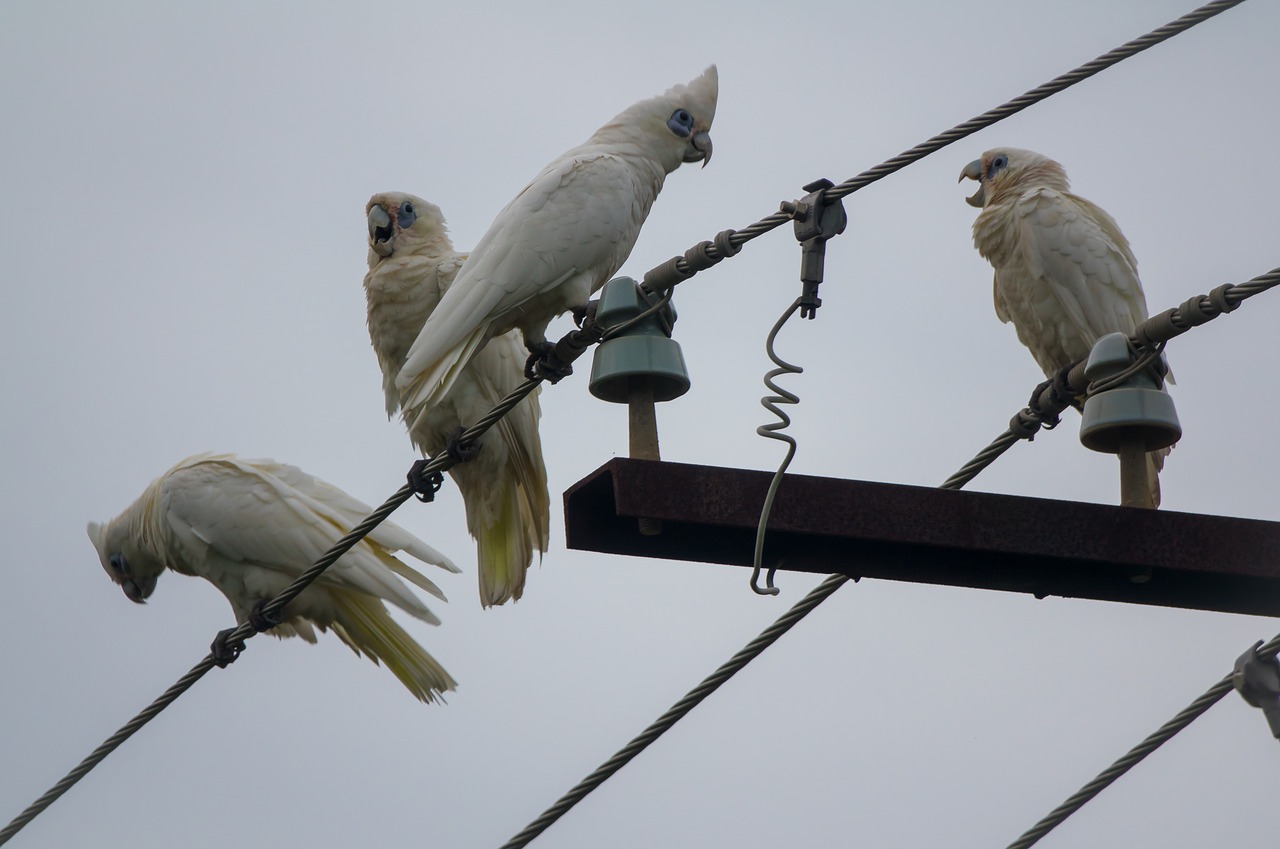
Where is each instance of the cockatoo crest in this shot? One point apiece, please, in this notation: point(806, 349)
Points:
point(675, 122)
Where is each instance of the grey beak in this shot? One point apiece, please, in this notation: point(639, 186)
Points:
point(136, 591)
point(381, 232)
point(973, 171)
point(702, 149)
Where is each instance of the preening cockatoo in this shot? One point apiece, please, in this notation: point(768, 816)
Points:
point(562, 237)
point(411, 264)
point(250, 527)
point(1064, 274)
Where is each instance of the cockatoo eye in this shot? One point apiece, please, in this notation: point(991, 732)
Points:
point(681, 123)
point(118, 564)
point(996, 164)
point(406, 215)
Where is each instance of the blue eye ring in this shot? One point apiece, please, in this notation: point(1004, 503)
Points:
point(996, 164)
point(118, 564)
point(681, 123)
point(406, 215)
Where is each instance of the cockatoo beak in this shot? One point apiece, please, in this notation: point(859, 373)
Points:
point(974, 172)
point(382, 235)
point(701, 143)
point(137, 591)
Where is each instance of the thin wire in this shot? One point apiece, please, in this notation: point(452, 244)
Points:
point(981, 122)
point(244, 631)
point(1135, 755)
point(443, 461)
point(691, 700)
point(773, 430)
point(1024, 425)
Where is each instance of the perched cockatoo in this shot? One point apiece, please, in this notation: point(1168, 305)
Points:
point(562, 237)
point(1064, 274)
point(504, 487)
point(250, 527)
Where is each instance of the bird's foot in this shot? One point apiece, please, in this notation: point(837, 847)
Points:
point(224, 653)
point(1054, 386)
point(543, 363)
point(424, 484)
point(459, 450)
point(585, 312)
point(261, 620)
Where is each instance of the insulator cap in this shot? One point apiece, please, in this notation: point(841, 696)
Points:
point(1137, 407)
point(645, 352)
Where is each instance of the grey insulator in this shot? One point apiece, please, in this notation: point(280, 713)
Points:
point(645, 352)
point(1136, 407)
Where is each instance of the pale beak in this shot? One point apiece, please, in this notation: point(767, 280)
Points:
point(974, 172)
point(701, 149)
point(381, 232)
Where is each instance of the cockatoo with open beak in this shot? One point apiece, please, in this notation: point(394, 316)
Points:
point(562, 237)
point(504, 487)
point(1064, 273)
point(250, 527)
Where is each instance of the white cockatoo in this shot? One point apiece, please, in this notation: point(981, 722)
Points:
point(504, 487)
point(1064, 273)
point(562, 237)
point(250, 527)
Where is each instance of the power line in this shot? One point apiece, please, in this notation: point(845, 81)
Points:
point(702, 256)
point(1135, 755)
point(1024, 425)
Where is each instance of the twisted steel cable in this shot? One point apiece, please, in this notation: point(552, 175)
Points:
point(443, 462)
point(1135, 755)
point(981, 122)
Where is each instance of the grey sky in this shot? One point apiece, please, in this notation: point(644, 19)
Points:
point(182, 242)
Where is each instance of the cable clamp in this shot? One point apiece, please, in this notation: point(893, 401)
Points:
point(816, 220)
point(1257, 680)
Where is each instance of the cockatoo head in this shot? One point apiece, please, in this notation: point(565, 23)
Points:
point(402, 222)
point(123, 560)
point(1008, 169)
point(675, 126)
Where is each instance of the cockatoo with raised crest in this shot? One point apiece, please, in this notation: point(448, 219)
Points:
point(504, 487)
point(1064, 273)
point(250, 527)
point(562, 237)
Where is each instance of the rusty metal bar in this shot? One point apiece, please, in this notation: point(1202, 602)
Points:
point(926, 535)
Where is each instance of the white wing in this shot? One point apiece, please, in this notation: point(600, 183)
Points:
point(554, 244)
point(275, 521)
point(1072, 279)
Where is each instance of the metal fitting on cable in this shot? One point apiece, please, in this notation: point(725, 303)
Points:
point(816, 220)
point(1258, 682)
point(639, 366)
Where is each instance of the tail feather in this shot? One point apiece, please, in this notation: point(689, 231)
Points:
point(365, 626)
point(506, 535)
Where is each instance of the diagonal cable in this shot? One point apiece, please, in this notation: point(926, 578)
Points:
point(1024, 425)
point(1135, 755)
point(440, 463)
point(730, 241)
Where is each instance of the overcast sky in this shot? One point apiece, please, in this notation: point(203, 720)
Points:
point(182, 241)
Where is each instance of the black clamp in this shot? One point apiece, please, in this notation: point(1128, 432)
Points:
point(816, 220)
point(1258, 682)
